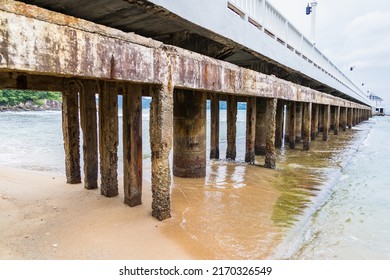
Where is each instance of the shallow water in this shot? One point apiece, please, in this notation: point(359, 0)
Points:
point(329, 203)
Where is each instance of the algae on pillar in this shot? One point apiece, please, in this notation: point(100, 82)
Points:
point(270, 119)
point(71, 133)
point(214, 123)
point(250, 130)
point(89, 128)
point(292, 124)
point(306, 132)
point(161, 131)
point(231, 127)
point(326, 121)
point(189, 134)
point(108, 138)
point(132, 144)
point(260, 126)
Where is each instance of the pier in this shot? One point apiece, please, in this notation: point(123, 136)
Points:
point(43, 49)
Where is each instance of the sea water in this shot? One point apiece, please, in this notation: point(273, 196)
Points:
point(329, 203)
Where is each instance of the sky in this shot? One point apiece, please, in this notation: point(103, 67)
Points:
point(351, 33)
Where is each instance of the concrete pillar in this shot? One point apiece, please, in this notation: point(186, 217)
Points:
point(108, 138)
point(349, 117)
point(336, 120)
point(298, 122)
point(292, 126)
point(132, 145)
point(214, 130)
point(320, 118)
point(231, 127)
point(250, 130)
point(89, 127)
point(343, 118)
point(287, 125)
point(161, 131)
point(326, 122)
point(71, 133)
point(189, 134)
point(279, 124)
point(332, 118)
point(260, 126)
point(314, 123)
point(306, 132)
point(353, 111)
point(270, 120)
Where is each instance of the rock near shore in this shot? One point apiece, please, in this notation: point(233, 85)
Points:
point(47, 105)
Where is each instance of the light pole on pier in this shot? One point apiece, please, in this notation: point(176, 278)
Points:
point(311, 9)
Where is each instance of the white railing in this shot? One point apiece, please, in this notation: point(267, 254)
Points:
point(265, 17)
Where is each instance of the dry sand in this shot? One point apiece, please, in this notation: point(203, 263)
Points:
point(42, 217)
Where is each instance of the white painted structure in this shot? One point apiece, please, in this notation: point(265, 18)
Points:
point(257, 25)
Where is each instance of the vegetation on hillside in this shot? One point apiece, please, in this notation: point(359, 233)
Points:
point(15, 97)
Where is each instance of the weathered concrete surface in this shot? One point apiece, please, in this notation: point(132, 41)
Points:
point(292, 125)
point(279, 124)
point(314, 123)
point(189, 134)
point(108, 138)
point(71, 133)
point(343, 118)
point(326, 122)
point(231, 127)
point(336, 120)
point(298, 122)
point(161, 131)
point(53, 44)
point(306, 131)
point(89, 127)
point(270, 153)
point(214, 129)
point(260, 126)
point(250, 130)
point(132, 144)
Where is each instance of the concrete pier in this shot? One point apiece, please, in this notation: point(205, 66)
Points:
point(260, 126)
point(270, 120)
point(336, 120)
point(326, 122)
point(88, 122)
point(250, 130)
point(306, 132)
point(298, 122)
point(108, 138)
point(231, 127)
point(189, 134)
point(161, 131)
point(343, 118)
point(314, 123)
point(214, 129)
point(279, 124)
point(292, 125)
point(132, 144)
point(71, 133)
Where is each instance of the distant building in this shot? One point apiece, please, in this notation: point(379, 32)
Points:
point(379, 107)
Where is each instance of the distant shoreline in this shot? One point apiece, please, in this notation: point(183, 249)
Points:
point(47, 105)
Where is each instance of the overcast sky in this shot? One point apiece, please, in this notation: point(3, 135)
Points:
point(350, 33)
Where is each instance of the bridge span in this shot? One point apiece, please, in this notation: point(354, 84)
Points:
point(46, 50)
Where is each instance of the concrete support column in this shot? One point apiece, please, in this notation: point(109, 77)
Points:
point(292, 126)
point(343, 118)
point(71, 133)
point(306, 132)
point(108, 138)
point(336, 120)
point(89, 128)
point(349, 117)
point(161, 131)
point(298, 122)
point(132, 145)
point(326, 122)
point(260, 126)
point(320, 118)
point(270, 120)
point(279, 124)
point(231, 127)
point(314, 123)
point(250, 130)
point(353, 116)
point(332, 117)
point(189, 134)
point(214, 130)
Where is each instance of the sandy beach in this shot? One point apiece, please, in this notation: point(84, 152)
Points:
point(42, 217)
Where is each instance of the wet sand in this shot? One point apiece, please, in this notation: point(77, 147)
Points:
point(221, 216)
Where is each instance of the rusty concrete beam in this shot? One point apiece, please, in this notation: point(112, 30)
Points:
point(39, 41)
